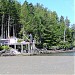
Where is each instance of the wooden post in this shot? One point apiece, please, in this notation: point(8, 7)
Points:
point(15, 46)
point(26, 46)
point(29, 47)
point(21, 48)
point(33, 45)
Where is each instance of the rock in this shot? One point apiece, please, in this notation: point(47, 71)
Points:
point(13, 51)
point(7, 54)
point(3, 51)
point(74, 48)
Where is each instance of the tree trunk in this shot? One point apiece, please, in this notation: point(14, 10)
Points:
point(64, 34)
point(8, 26)
point(4, 32)
point(2, 26)
point(13, 31)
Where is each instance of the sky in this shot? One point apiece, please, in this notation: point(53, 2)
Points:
point(62, 7)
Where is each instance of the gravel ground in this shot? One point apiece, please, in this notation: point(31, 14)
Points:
point(33, 65)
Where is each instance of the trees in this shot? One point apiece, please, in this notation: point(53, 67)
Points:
point(46, 27)
point(26, 18)
point(73, 34)
point(2, 14)
point(10, 13)
point(54, 30)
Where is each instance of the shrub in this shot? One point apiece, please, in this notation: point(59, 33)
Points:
point(19, 40)
point(1, 48)
point(45, 45)
point(64, 45)
point(39, 45)
point(5, 47)
point(74, 43)
point(52, 47)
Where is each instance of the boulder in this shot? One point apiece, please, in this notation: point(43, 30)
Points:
point(13, 51)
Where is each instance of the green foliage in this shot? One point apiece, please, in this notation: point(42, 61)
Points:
point(19, 40)
point(46, 27)
point(64, 45)
point(10, 8)
point(39, 45)
point(74, 43)
point(4, 48)
point(45, 45)
point(1, 48)
point(54, 47)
